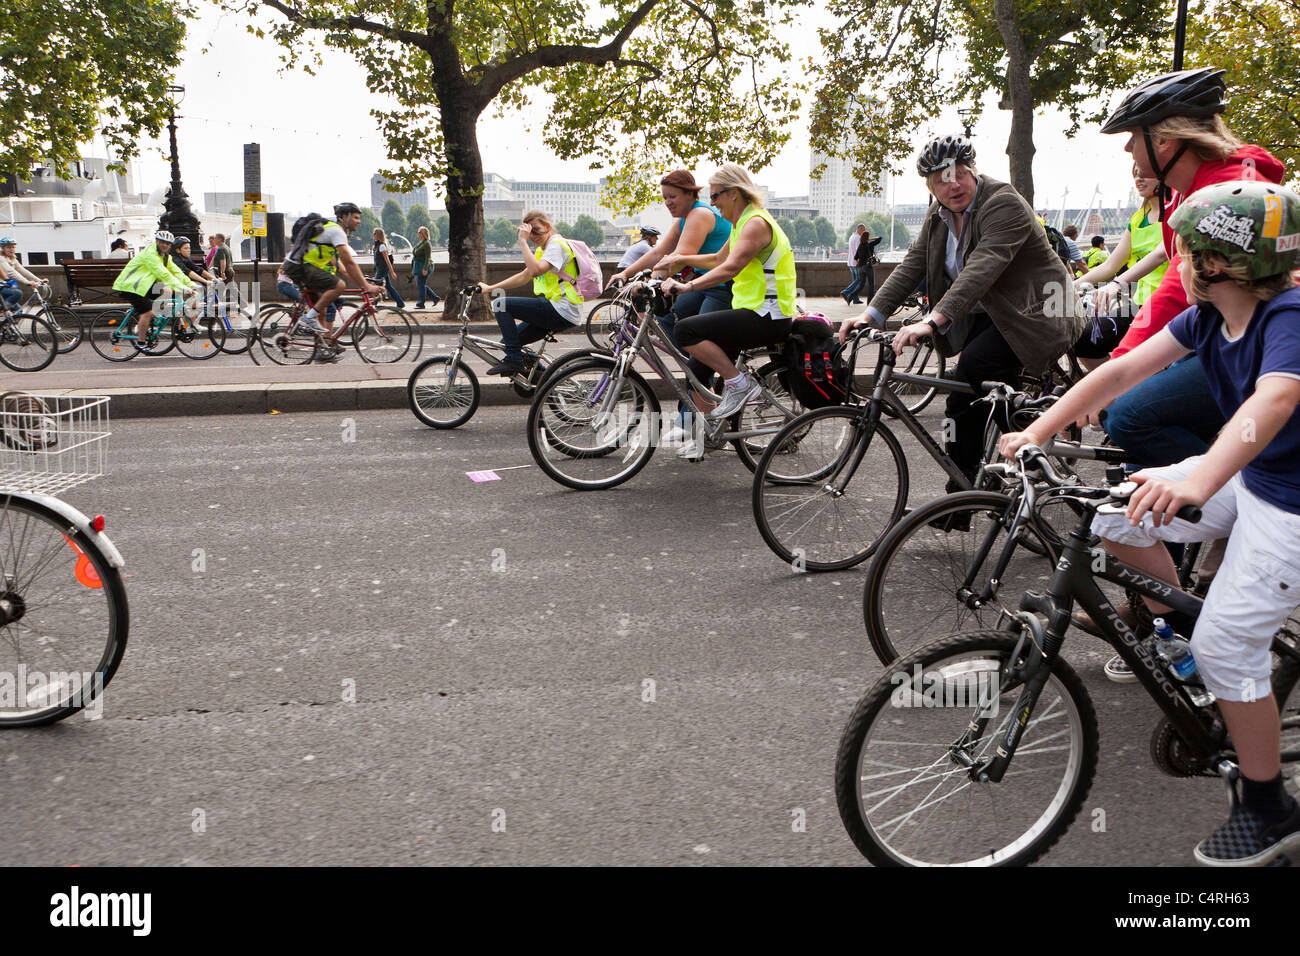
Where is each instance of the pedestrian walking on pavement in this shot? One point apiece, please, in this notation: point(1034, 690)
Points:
point(422, 268)
point(384, 271)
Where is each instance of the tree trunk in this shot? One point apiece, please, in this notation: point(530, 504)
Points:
point(1020, 145)
point(467, 262)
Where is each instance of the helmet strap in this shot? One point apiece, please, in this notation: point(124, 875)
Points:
point(1163, 192)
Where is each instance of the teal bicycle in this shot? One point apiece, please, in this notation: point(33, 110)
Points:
point(113, 334)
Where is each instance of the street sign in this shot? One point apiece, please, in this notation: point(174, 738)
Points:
point(254, 219)
point(252, 172)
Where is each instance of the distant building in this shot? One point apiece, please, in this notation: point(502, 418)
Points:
point(793, 207)
point(837, 194)
point(224, 202)
point(380, 194)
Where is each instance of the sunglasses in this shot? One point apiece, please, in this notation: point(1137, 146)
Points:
point(713, 197)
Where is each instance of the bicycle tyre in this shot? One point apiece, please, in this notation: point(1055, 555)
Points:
point(103, 332)
point(932, 365)
point(794, 473)
point(386, 342)
point(568, 358)
point(429, 392)
point(601, 321)
point(67, 326)
point(239, 330)
point(196, 342)
point(544, 426)
point(906, 576)
point(70, 590)
point(27, 343)
point(764, 416)
point(282, 340)
point(894, 709)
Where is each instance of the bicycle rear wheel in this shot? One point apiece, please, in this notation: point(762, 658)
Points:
point(905, 792)
point(914, 591)
point(104, 332)
point(283, 340)
point(63, 614)
point(764, 414)
point(27, 343)
point(586, 436)
point(383, 337)
point(196, 342)
point(825, 493)
point(441, 395)
point(240, 332)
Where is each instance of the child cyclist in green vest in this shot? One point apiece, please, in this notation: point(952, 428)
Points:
point(1239, 243)
point(560, 305)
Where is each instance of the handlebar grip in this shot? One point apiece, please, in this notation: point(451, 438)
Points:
point(1189, 513)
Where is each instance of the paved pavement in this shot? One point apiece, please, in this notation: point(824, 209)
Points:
point(233, 384)
point(344, 651)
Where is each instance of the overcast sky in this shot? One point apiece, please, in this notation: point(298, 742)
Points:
point(235, 95)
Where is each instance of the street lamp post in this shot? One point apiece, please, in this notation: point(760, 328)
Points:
point(1180, 34)
point(178, 218)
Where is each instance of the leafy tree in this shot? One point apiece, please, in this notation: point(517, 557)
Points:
point(70, 70)
point(443, 223)
point(805, 233)
point(825, 232)
point(393, 219)
point(588, 230)
point(787, 226)
point(892, 65)
point(1248, 39)
point(369, 222)
point(564, 229)
point(237, 211)
point(416, 217)
point(503, 234)
point(877, 224)
point(618, 73)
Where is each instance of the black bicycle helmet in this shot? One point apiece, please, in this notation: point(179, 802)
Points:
point(944, 151)
point(1193, 93)
point(343, 208)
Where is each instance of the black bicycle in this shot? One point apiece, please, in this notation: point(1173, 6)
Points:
point(980, 748)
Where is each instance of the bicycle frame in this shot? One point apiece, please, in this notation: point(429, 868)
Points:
point(485, 348)
point(1079, 566)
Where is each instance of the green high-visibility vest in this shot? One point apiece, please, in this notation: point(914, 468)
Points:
point(770, 274)
point(322, 255)
point(549, 284)
point(1142, 239)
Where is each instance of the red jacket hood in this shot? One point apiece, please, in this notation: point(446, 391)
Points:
point(1235, 168)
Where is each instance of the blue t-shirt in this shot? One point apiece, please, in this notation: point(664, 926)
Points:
point(1269, 346)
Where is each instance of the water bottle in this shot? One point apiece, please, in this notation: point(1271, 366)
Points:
point(1176, 652)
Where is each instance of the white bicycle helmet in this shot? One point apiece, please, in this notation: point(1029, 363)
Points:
point(162, 235)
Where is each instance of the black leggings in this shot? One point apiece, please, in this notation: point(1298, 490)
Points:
point(986, 357)
point(733, 331)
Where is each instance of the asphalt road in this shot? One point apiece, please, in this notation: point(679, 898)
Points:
point(483, 697)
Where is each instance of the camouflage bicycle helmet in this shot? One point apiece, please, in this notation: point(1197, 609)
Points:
point(1193, 93)
point(944, 151)
point(1253, 225)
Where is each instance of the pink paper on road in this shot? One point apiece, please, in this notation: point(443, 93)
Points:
point(482, 476)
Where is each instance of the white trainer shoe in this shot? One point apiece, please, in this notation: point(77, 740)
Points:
point(734, 399)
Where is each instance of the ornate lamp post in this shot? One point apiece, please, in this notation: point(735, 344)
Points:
point(178, 218)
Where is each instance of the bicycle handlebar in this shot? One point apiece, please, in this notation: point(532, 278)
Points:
point(1033, 455)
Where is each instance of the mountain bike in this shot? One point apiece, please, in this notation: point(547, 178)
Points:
point(63, 608)
point(980, 748)
point(66, 324)
point(113, 333)
point(443, 391)
point(595, 423)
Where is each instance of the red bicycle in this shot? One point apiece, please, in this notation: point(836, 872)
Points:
point(379, 335)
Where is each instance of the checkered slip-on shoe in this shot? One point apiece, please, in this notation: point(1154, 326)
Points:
point(1245, 841)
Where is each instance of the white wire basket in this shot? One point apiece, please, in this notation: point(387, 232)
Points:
point(50, 443)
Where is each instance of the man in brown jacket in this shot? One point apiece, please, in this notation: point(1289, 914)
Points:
point(1003, 299)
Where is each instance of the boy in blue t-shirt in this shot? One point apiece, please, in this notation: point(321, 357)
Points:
point(1240, 243)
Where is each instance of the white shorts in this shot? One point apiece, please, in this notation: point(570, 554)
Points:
point(1254, 591)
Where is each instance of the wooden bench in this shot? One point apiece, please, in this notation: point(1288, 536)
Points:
point(91, 274)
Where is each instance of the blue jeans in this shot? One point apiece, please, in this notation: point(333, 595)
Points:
point(387, 280)
point(12, 295)
point(1169, 417)
point(536, 318)
point(851, 291)
point(715, 299)
point(422, 290)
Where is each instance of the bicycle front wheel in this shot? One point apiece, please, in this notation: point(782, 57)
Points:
point(194, 341)
point(764, 414)
point(828, 488)
point(442, 395)
point(931, 571)
point(921, 359)
point(587, 433)
point(67, 327)
point(27, 343)
point(904, 782)
point(383, 337)
point(240, 331)
point(63, 615)
point(603, 318)
point(105, 331)
point(284, 341)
